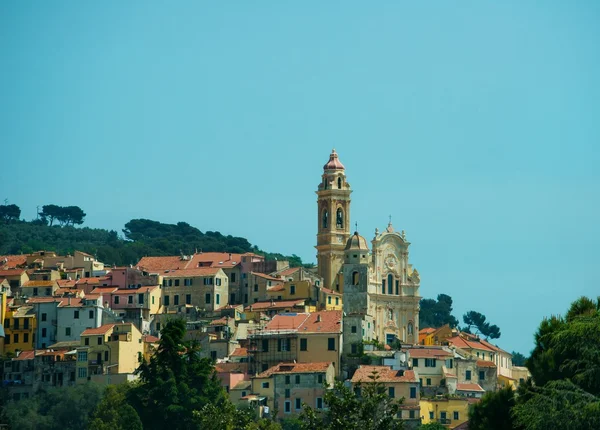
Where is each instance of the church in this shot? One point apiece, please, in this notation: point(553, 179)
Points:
point(380, 288)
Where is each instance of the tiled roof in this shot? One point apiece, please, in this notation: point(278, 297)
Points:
point(485, 363)
point(322, 322)
point(239, 352)
point(92, 281)
point(162, 263)
point(275, 305)
point(126, 291)
point(96, 331)
point(286, 321)
point(33, 300)
point(317, 367)
point(276, 288)
point(62, 291)
point(39, 284)
point(190, 273)
point(66, 283)
point(11, 272)
point(267, 277)
point(70, 302)
point(427, 330)
point(469, 387)
point(150, 339)
point(231, 367)
point(104, 290)
point(384, 374)
point(207, 259)
point(328, 291)
point(428, 353)
point(220, 321)
point(290, 271)
point(12, 261)
point(26, 355)
point(461, 343)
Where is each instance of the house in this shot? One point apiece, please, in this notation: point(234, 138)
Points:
point(470, 390)
point(111, 349)
point(91, 267)
point(288, 386)
point(39, 288)
point(15, 277)
point(19, 375)
point(136, 305)
point(293, 290)
point(205, 288)
point(433, 365)
point(435, 336)
point(19, 328)
point(399, 384)
point(258, 284)
point(449, 411)
point(272, 308)
point(330, 300)
point(296, 336)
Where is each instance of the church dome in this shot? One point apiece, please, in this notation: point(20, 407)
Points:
point(356, 243)
point(334, 163)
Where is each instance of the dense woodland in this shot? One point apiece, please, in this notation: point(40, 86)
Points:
point(54, 230)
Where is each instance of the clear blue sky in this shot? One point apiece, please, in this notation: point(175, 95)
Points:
point(475, 124)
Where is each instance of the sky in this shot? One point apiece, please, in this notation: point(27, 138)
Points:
point(474, 124)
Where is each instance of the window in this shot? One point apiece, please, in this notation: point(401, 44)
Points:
point(337, 301)
point(413, 392)
point(166, 300)
point(339, 218)
point(217, 299)
point(152, 299)
point(265, 345)
point(207, 298)
point(430, 415)
point(456, 415)
point(67, 331)
point(410, 328)
point(176, 299)
point(188, 299)
point(355, 278)
point(170, 282)
point(44, 316)
point(213, 355)
point(297, 379)
point(339, 183)
point(481, 375)
point(265, 385)
point(325, 216)
point(105, 355)
point(331, 344)
point(430, 362)
point(140, 299)
point(82, 372)
point(287, 406)
point(130, 300)
point(256, 288)
point(86, 341)
point(218, 282)
point(6, 323)
point(16, 323)
point(468, 375)
point(177, 282)
point(292, 289)
point(287, 393)
point(320, 378)
point(116, 300)
point(44, 332)
point(319, 403)
point(428, 381)
point(48, 291)
point(35, 291)
point(233, 277)
point(76, 315)
point(16, 338)
point(383, 287)
point(298, 403)
point(283, 344)
point(208, 281)
point(353, 329)
point(443, 416)
point(303, 344)
point(287, 380)
point(329, 300)
point(353, 348)
point(82, 356)
point(397, 285)
point(26, 337)
point(26, 323)
point(391, 392)
point(99, 340)
point(415, 362)
point(390, 283)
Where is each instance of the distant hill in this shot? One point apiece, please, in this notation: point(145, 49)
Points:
point(141, 237)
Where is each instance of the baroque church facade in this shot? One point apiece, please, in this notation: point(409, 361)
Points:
point(380, 288)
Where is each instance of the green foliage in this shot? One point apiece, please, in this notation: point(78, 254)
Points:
point(518, 359)
point(557, 405)
point(143, 237)
point(372, 409)
point(567, 348)
point(9, 213)
point(68, 408)
point(65, 215)
point(176, 383)
point(494, 411)
point(114, 413)
point(437, 313)
point(478, 320)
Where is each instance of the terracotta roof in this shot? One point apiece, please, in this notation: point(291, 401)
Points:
point(162, 263)
point(469, 387)
point(213, 259)
point(96, 331)
point(290, 321)
point(91, 281)
point(461, 343)
point(150, 339)
point(427, 330)
point(428, 353)
point(26, 355)
point(185, 273)
point(334, 163)
point(267, 277)
point(384, 373)
point(317, 367)
point(126, 291)
point(66, 283)
point(62, 291)
point(11, 272)
point(282, 304)
point(220, 321)
point(322, 322)
point(39, 284)
point(485, 363)
point(231, 367)
point(494, 347)
point(104, 290)
point(239, 352)
point(290, 271)
point(328, 291)
point(276, 288)
point(70, 302)
point(44, 299)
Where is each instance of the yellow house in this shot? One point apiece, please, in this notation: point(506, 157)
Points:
point(109, 349)
point(435, 336)
point(19, 327)
point(15, 277)
point(451, 411)
point(258, 284)
point(292, 290)
point(399, 384)
point(331, 300)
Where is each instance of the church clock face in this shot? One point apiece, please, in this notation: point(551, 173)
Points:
point(340, 238)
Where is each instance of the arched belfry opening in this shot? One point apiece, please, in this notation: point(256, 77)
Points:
point(339, 218)
point(325, 219)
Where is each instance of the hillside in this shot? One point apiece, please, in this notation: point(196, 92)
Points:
point(141, 237)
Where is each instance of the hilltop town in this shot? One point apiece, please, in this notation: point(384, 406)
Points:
point(278, 336)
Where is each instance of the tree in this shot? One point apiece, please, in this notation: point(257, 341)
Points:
point(368, 408)
point(478, 321)
point(73, 215)
point(114, 413)
point(518, 359)
point(437, 313)
point(493, 412)
point(9, 213)
point(176, 384)
point(50, 213)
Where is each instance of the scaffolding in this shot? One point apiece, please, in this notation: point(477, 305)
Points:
point(267, 348)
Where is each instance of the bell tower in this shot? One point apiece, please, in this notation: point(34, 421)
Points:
point(333, 221)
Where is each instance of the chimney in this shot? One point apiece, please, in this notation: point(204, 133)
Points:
point(319, 318)
point(230, 256)
point(69, 301)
